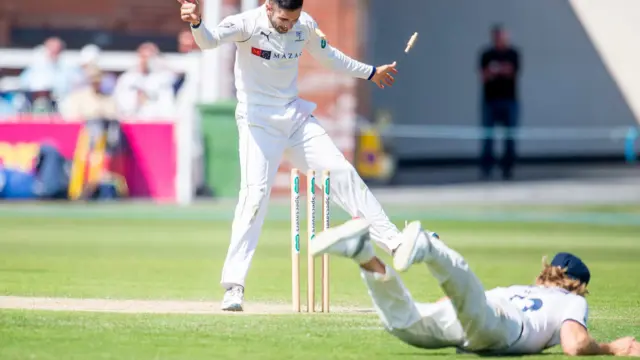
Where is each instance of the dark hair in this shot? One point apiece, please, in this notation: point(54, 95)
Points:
point(288, 4)
point(497, 28)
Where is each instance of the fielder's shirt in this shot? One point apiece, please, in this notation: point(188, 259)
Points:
point(266, 65)
point(544, 310)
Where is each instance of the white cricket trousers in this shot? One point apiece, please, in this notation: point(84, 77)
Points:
point(468, 320)
point(266, 133)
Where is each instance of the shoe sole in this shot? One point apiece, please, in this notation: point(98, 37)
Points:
point(402, 258)
point(234, 308)
point(326, 239)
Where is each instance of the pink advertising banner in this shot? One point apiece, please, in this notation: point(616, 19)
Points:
point(152, 163)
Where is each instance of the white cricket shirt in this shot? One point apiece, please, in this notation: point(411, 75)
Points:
point(266, 65)
point(543, 310)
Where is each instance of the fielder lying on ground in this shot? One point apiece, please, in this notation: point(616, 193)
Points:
point(272, 119)
point(524, 319)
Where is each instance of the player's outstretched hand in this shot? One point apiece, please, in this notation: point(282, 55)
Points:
point(626, 346)
point(383, 75)
point(190, 11)
point(635, 349)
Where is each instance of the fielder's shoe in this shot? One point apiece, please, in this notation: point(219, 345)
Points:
point(350, 240)
point(399, 239)
point(233, 299)
point(414, 248)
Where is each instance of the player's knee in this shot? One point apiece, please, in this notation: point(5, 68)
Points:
point(256, 194)
point(254, 198)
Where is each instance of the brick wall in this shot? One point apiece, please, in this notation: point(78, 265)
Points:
point(160, 17)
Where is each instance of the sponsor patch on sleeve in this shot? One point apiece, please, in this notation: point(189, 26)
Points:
point(323, 38)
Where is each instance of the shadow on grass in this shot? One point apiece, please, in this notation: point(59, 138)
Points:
point(440, 353)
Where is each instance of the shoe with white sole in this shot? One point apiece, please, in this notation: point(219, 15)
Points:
point(414, 248)
point(350, 240)
point(399, 239)
point(233, 299)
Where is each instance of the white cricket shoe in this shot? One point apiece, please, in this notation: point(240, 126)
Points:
point(350, 240)
point(398, 239)
point(233, 299)
point(414, 248)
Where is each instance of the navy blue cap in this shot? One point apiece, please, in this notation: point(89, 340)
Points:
point(576, 269)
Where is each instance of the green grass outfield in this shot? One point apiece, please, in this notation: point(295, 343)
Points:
point(147, 252)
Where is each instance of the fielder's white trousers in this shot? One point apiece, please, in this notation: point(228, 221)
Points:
point(468, 320)
point(266, 133)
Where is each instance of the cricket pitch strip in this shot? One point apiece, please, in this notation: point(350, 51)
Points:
point(153, 306)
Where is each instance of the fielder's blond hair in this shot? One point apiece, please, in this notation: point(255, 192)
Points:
point(555, 276)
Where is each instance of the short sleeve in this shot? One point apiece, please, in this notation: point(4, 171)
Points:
point(577, 310)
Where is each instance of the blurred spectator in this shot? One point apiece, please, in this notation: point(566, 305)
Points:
point(6, 108)
point(186, 95)
point(89, 102)
point(89, 56)
point(186, 42)
point(146, 90)
point(499, 68)
point(188, 47)
point(48, 72)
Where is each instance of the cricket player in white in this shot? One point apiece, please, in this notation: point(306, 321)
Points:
point(505, 320)
point(272, 120)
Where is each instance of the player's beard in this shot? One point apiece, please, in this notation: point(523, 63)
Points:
point(279, 29)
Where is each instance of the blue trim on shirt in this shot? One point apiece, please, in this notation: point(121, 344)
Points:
point(196, 26)
point(372, 73)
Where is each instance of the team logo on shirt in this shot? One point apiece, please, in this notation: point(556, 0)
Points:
point(265, 35)
point(265, 54)
point(299, 36)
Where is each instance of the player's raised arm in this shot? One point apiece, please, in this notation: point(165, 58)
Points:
point(329, 56)
point(230, 29)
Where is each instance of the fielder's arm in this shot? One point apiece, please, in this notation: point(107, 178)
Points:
point(231, 29)
point(327, 55)
point(576, 340)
